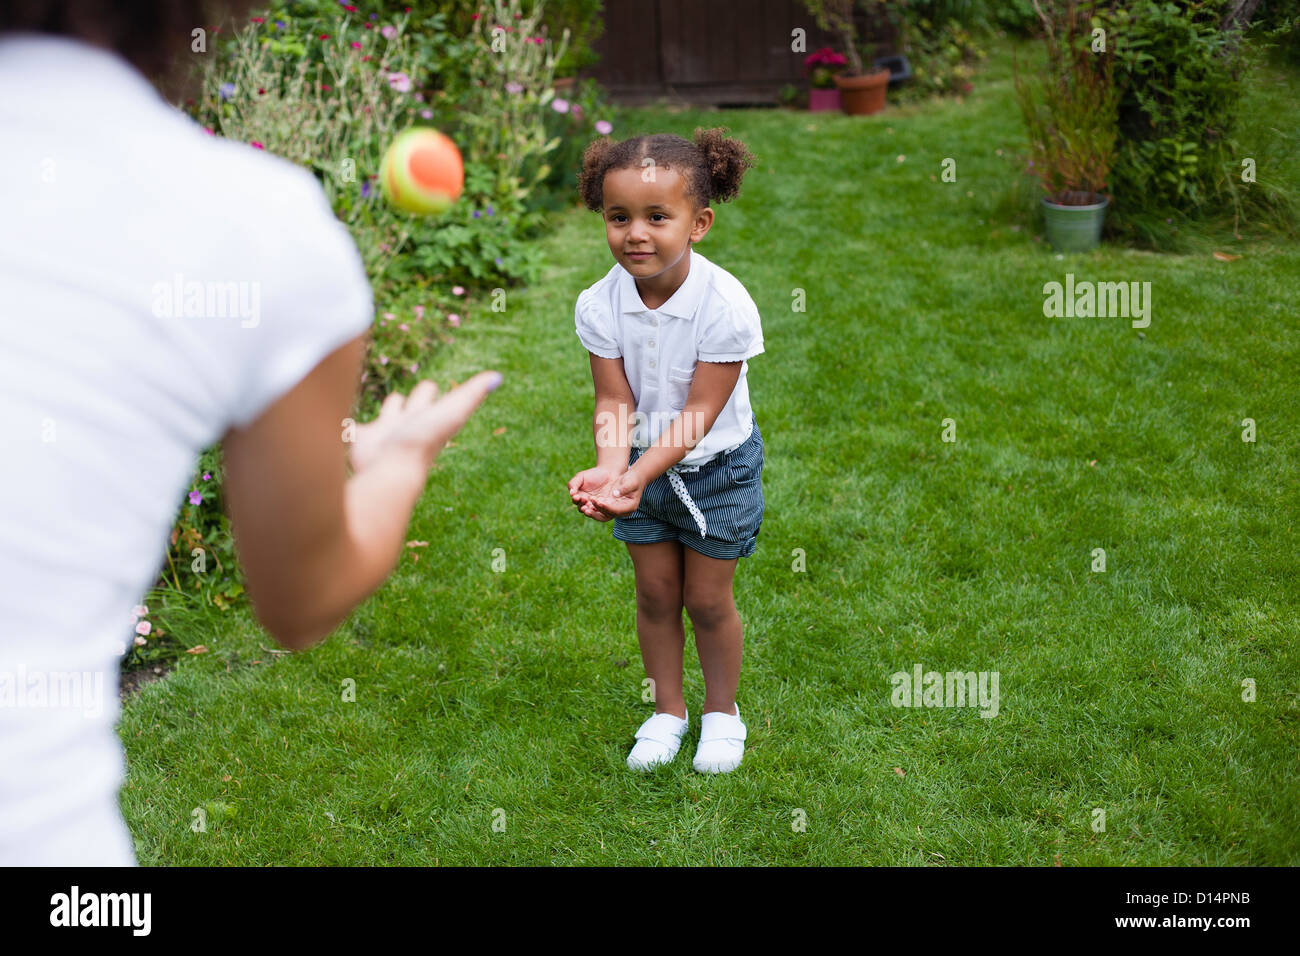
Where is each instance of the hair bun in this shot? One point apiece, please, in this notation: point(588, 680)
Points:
point(726, 160)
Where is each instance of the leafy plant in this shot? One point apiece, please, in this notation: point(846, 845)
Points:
point(943, 59)
point(330, 100)
point(837, 16)
point(820, 67)
point(1071, 114)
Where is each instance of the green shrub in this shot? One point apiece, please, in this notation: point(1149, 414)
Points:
point(1015, 16)
point(943, 59)
point(1178, 156)
point(1277, 23)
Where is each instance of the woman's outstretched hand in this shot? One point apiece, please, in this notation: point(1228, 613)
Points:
point(416, 427)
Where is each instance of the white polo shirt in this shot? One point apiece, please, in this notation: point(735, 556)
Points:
point(111, 383)
point(710, 318)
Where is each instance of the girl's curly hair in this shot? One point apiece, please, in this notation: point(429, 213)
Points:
point(713, 165)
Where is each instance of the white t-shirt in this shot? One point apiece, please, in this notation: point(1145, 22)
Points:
point(112, 201)
point(710, 318)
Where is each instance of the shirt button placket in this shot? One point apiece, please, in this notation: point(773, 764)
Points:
point(654, 321)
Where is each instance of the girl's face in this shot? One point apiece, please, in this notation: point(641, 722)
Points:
point(650, 224)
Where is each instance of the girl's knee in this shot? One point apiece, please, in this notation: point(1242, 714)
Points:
point(659, 599)
point(709, 608)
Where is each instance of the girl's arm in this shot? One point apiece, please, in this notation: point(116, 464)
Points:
point(615, 405)
point(710, 389)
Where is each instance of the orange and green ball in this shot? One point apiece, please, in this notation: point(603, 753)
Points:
point(422, 172)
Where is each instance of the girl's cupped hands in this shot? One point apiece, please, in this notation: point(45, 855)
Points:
point(604, 493)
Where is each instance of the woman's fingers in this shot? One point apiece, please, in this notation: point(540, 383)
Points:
point(393, 403)
point(422, 395)
point(437, 423)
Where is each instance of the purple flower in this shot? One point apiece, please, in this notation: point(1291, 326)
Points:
point(388, 31)
point(400, 82)
point(497, 260)
point(227, 90)
point(559, 105)
point(279, 24)
point(195, 498)
point(207, 476)
point(365, 189)
point(491, 211)
point(477, 213)
point(514, 87)
point(604, 127)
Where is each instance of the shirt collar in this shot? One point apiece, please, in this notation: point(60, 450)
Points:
point(682, 304)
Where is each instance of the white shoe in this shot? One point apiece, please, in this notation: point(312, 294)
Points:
point(722, 742)
point(657, 741)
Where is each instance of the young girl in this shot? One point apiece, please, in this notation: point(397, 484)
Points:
point(678, 453)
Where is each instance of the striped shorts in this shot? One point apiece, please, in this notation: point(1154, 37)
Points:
point(715, 508)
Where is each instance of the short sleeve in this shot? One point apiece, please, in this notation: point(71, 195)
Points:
point(595, 326)
point(730, 334)
point(314, 296)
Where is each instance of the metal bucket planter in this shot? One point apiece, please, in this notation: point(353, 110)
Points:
point(1074, 228)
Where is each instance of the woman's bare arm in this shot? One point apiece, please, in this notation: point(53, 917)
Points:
point(314, 543)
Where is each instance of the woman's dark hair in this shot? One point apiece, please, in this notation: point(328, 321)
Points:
point(712, 166)
point(153, 35)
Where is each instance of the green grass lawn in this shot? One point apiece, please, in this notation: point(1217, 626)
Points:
point(510, 698)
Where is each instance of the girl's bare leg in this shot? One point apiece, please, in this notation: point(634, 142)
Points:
point(659, 601)
point(719, 638)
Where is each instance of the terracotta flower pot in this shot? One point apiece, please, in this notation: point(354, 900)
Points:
point(863, 95)
point(823, 101)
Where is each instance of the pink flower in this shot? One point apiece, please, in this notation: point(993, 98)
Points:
point(514, 87)
point(604, 127)
point(577, 111)
point(419, 311)
point(383, 360)
point(139, 610)
point(414, 366)
point(207, 476)
point(454, 319)
point(256, 145)
point(143, 627)
point(404, 327)
point(196, 498)
point(208, 130)
point(458, 290)
point(389, 32)
point(559, 105)
point(426, 114)
point(356, 45)
point(400, 82)
point(389, 315)
point(140, 642)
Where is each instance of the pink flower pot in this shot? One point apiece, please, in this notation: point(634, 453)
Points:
point(823, 101)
